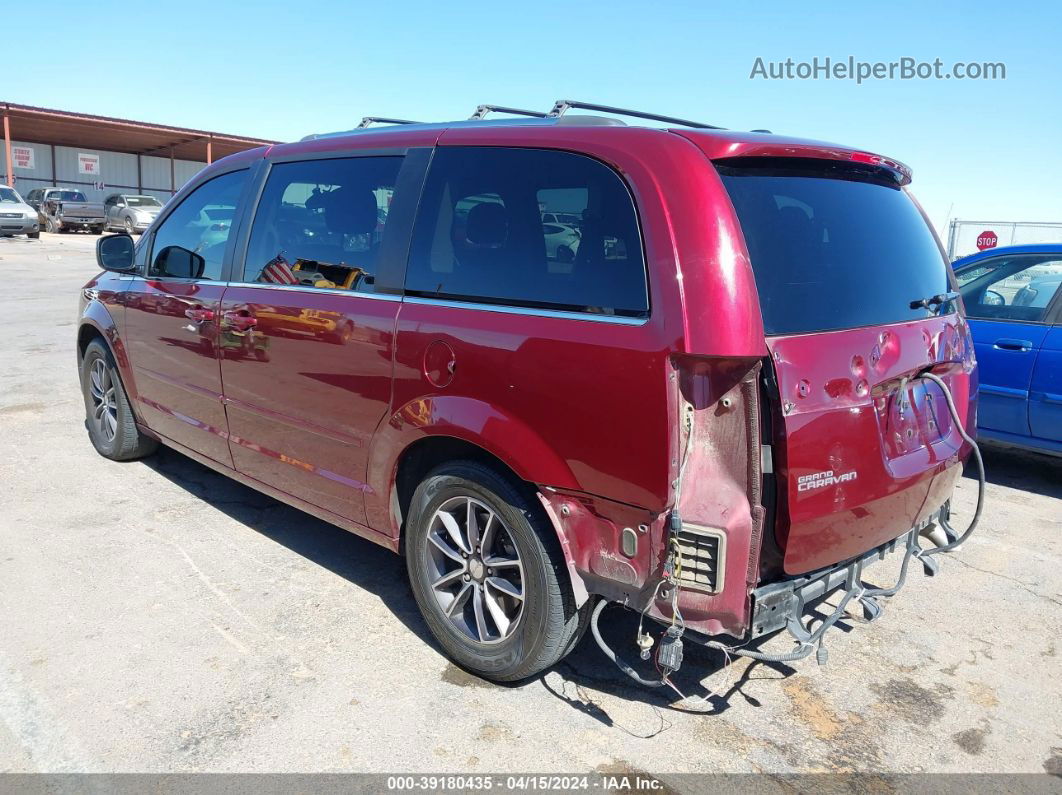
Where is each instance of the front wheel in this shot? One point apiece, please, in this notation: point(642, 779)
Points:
point(108, 416)
point(129, 228)
point(488, 574)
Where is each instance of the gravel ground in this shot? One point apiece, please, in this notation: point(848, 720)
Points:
point(155, 616)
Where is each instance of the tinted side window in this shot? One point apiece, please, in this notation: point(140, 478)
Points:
point(320, 223)
point(481, 234)
point(190, 243)
point(1015, 288)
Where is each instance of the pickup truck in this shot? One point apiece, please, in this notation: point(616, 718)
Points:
point(64, 210)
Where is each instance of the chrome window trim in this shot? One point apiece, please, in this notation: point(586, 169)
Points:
point(310, 288)
point(533, 312)
point(176, 279)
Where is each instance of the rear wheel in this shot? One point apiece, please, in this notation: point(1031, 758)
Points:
point(108, 416)
point(34, 235)
point(488, 574)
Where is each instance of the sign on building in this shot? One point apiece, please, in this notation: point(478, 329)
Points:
point(88, 164)
point(22, 156)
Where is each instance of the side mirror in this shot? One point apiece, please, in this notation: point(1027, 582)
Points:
point(115, 253)
point(992, 298)
point(179, 263)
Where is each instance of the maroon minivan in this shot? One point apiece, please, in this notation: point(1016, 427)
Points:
point(556, 362)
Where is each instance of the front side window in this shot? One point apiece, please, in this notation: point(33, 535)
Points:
point(190, 243)
point(320, 223)
point(1011, 288)
point(527, 227)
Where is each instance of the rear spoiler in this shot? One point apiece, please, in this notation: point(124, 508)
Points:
point(751, 145)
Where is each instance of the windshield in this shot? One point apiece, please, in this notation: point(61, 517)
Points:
point(142, 201)
point(67, 196)
point(834, 247)
point(9, 195)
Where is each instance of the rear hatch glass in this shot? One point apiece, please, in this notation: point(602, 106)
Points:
point(833, 246)
point(840, 253)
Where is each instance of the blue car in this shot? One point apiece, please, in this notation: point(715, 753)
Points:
point(1013, 298)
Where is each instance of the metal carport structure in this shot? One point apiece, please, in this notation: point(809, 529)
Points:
point(64, 132)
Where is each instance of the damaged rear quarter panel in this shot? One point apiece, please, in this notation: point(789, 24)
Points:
point(720, 491)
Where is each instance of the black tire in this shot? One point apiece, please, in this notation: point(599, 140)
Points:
point(50, 226)
point(97, 230)
point(34, 235)
point(565, 254)
point(129, 228)
point(549, 621)
point(127, 442)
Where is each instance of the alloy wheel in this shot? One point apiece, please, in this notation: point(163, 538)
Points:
point(102, 386)
point(475, 570)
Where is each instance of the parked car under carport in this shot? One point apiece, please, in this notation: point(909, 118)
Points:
point(130, 213)
point(16, 217)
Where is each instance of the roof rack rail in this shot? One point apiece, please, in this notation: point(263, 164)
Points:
point(482, 111)
point(563, 105)
point(367, 120)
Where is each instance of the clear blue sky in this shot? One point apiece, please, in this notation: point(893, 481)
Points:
point(986, 150)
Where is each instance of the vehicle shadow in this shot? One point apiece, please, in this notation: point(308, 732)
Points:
point(358, 560)
point(709, 688)
point(1020, 469)
point(575, 680)
point(587, 670)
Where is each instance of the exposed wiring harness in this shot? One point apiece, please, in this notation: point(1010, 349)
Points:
point(980, 472)
point(619, 661)
point(807, 639)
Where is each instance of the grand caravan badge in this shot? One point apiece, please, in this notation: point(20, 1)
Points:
point(820, 480)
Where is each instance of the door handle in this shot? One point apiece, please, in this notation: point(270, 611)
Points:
point(240, 319)
point(1007, 344)
point(198, 314)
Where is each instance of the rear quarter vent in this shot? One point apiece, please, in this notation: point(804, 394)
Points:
point(702, 553)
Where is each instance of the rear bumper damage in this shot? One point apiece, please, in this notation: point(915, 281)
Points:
point(783, 605)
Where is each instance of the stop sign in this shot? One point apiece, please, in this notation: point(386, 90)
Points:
point(986, 239)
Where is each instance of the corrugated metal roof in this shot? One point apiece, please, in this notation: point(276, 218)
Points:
point(66, 128)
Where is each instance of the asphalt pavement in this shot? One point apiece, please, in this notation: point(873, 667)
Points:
point(158, 617)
